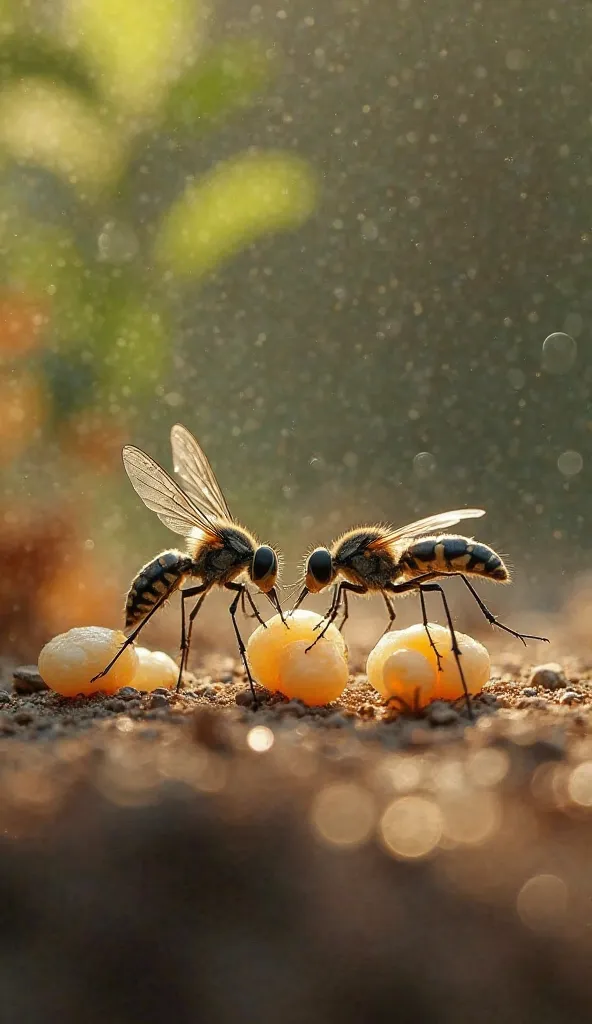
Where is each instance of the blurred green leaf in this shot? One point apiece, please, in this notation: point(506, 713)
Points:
point(226, 77)
point(135, 46)
point(33, 56)
point(53, 126)
point(134, 348)
point(235, 204)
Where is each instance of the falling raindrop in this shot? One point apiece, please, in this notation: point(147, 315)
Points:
point(559, 353)
point(424, 464)
point(570, 463)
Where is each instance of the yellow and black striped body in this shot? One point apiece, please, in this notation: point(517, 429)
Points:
point(448, 553)
point(160, 577)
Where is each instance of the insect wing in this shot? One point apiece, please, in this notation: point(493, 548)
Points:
point(441, 521)
point(193, 467)
point(162, 495)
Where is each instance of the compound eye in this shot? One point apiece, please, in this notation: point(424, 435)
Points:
point(320, 565)
point(264, 563)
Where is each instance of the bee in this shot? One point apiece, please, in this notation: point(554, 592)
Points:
point(219, 552)
point(378, 559)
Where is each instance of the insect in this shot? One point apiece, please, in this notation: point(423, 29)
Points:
point(380, 559)
point(219, 552)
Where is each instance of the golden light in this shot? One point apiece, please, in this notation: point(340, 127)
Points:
point(542, 903)
point(579, 786)
point(470, 817)
point(488, 766)
point(260, 739)
point(343, 814)
point(411, 827)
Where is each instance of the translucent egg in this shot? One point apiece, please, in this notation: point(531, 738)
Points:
point(405, 672)
point(155, 668)
point(269, 645)
point(393, 672)
point(314, 678)
point(69, 661)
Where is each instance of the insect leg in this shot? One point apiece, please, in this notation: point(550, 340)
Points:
point(335, 608)
point(186, 595)
point(420, 584)
point(242, 649)
point(130, 639)
point(391, 611)
point(435, 587)
point(345, 612)
point(256, 614)
point(335, 600)
point(300, 599)
point(424, 613)
point(495, 622)
point(274, 600)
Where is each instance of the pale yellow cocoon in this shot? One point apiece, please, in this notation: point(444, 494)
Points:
point(314, 678)
point(155, 668)
point(278, 659)
point(69, 661)
point(403, 661)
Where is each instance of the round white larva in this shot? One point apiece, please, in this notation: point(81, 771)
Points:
point(155, 668)
point(69, 661)
point(447, 683)
point(316, 677)
point(404, 672)
point(267, 643)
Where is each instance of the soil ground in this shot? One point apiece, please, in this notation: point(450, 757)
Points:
point(184, 857)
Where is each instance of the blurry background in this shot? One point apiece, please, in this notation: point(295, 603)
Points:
point(331, 238)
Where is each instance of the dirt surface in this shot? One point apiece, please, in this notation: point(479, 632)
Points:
point(184, 857)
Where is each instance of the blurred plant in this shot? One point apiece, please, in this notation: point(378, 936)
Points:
point(85, 105)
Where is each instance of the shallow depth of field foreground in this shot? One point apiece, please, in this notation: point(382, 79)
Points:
point(182, 857)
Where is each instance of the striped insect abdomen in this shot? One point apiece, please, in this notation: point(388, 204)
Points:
point(158, 578)
point(449, 553)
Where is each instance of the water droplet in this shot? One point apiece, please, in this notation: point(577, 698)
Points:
point(424, 464)
point(559, 353)
point(369, 231)
point(516, 379)
point(517, 60)
point(570, 463)
point(117, 242)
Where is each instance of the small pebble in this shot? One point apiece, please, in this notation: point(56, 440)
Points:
point(529, 691)
point(115, 705)
point(209, 729)
point(159, 701)
point(442, 714)
point(127, 693)
point(23, 717)
point(28, 680)
point(163, 691)
point(5, 697)
point(337, 720)
point(551, 676)
point(292, 707)
point(568, 697)
point(245, 698)
point(7, 725)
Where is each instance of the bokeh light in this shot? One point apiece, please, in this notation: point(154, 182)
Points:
point(542, 903)
point(343, 814)
point(411, 827)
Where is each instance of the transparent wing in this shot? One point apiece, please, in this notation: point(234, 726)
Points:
point(441, 521)
point(162, 495)
point(192, 466)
